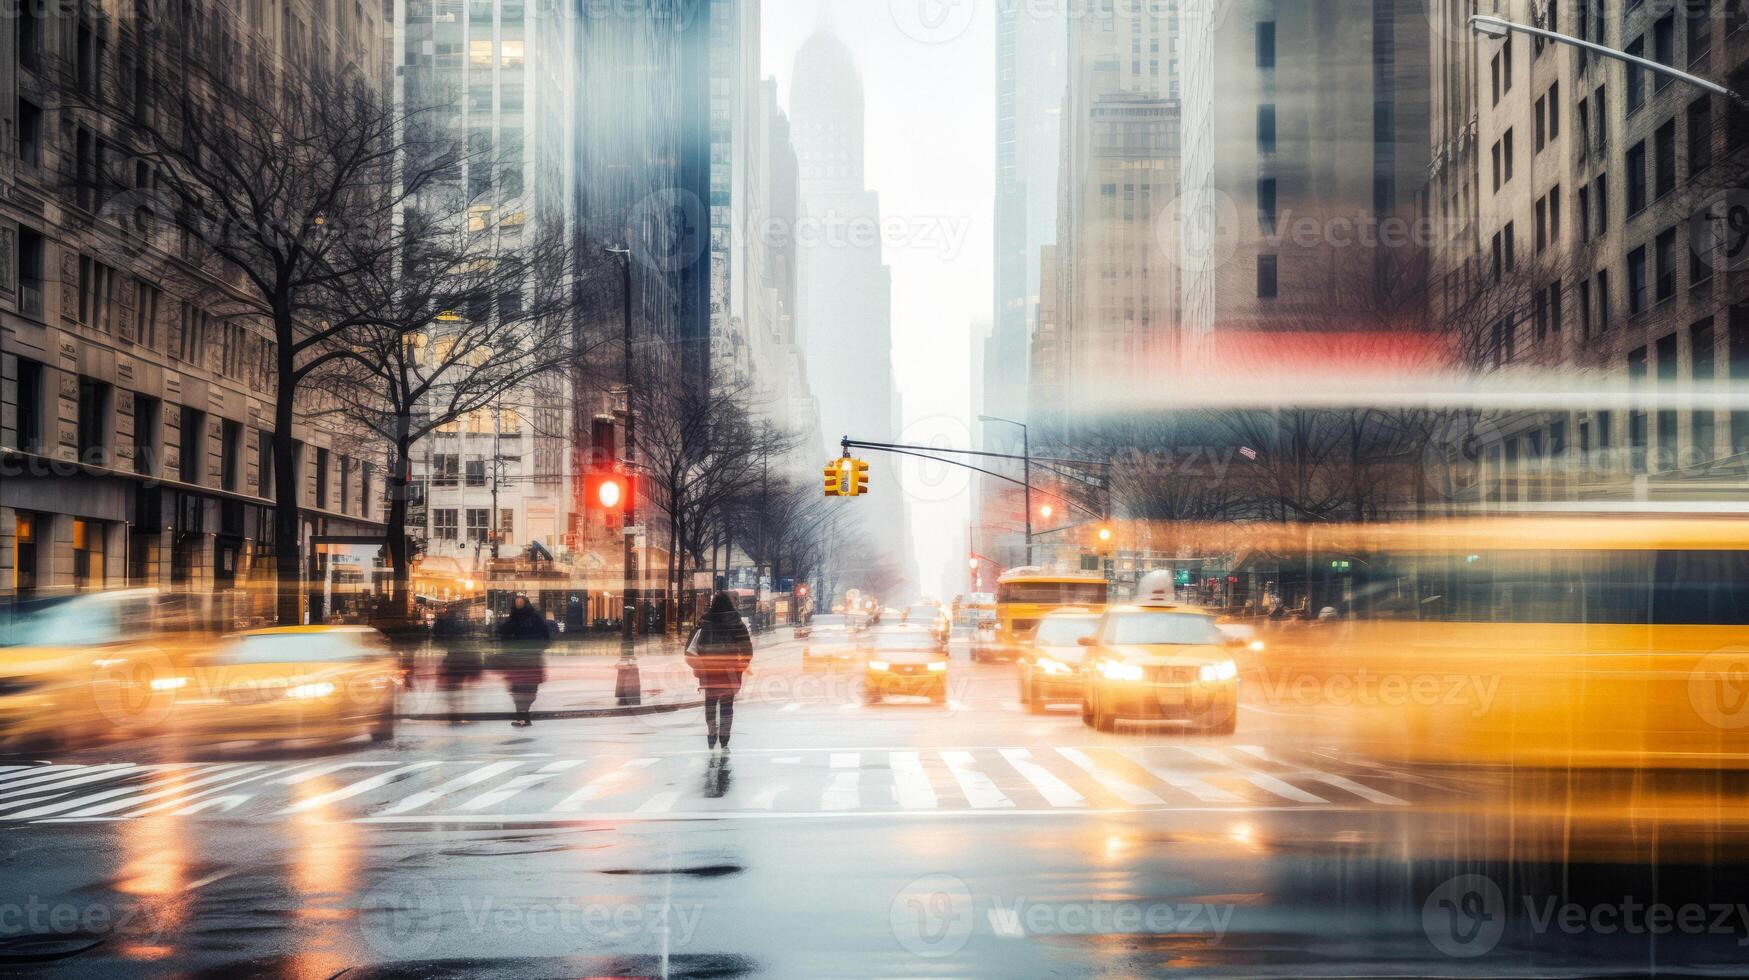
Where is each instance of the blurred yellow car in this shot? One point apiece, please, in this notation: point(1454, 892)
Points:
point(66, 664)
point(284, 683)
point(1050, 664)
point(1157, 660)
point(903, 660)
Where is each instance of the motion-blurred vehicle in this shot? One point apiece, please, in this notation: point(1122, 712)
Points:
point(821, 621)
point(1158, 660)
point(829, 648)
point(1050, 666)
point(287, 682)
point(903, 660)
point(66, 662)
point(975, 608)
point(1024, 595)
point(1241, 634)
point(930, 617)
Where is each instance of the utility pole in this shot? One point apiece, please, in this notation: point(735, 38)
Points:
point(628, 685)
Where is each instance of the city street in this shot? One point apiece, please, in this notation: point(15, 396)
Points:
point(970, 839)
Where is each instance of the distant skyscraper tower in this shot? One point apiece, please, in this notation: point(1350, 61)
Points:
point(845, 288)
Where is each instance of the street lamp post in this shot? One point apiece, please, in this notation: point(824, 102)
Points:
point(628, 685)
point(1499, 27)
point(1025, 476)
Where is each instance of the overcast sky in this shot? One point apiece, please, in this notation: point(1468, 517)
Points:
point(929, 84)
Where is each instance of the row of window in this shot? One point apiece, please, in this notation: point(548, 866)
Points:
point(479, 521)
point(97, 441)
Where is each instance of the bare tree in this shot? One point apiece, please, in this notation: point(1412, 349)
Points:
point(281, 178)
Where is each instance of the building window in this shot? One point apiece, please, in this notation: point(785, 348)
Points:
point(1584, 309)
point(1636, 76)
point(24, 538)
point(479, 524)
point(1583, 209)
point(1600, 191)
point(1601, 103)
point(476, 473)
point(1509, 237)
point(1636, 167)
point(1665, 247)
point(30, 34)
point(146, 298)
point(1667, 458)
point(30, 133)
point(264, 464)
point(1739, 370)
point(1266, 212)
point(445, 468)
point(1637, 281)
point(94, 424)
point(1499, 174)
point(1540, 129)
point(146, 422)
point(1554, 294)
point(1266, 128)
point(1266, 44)
point(1506, 153)
point(1266, 275)
point(96, 284)
point(321, 478)
point(88, 554)
point(231, 455)
point(1702, 368)
point(1700, 134)
point(506, 524)
point(1664, 159)
point(1554, 111)
point(1582, 115)
point(1700, 33)
point(1636, 416)
point(1603, 323)
point(1663, 48)
point(30, 406)
point(191, 466)
point(443, 525)
point(30, 273)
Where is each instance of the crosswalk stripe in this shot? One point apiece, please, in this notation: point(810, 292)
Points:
point(1126, 791)
point(603, 785)
point(192, 802)
point(362, 786)
point(980, 791)
point(180, 790)
point(910, 783)
point(1054, 790)
point(333, 767)
point(792, 706)
point(1261, 780)
point(519, 784)
point(24, 774)
point(62, 806)
point(660, 803)
point(1364, 792)
point(1177, 780)
point(461, 782)
point(844, 792)
point(64, 780)
point(846, 760)
point(766, 798)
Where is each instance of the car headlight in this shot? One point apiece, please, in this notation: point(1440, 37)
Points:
point(1119, 671)
point(1225, 670)
point(1256, 646)
point(880, 665)
point(168, 683)
point(320, 689)
point(938, 666)
point(1051, 666)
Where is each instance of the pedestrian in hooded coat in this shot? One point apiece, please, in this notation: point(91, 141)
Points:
point(719, 654)
point(523, 639)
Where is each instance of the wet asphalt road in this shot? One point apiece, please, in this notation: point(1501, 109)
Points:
point(842, 839)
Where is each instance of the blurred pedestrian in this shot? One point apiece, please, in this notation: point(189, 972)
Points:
point(456, 631)
point(720, 652)
point(523, 637)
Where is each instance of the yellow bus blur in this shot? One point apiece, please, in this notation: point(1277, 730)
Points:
point(1024, 595)
point(1599, 639)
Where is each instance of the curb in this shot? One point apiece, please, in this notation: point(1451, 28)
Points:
point(616, 711)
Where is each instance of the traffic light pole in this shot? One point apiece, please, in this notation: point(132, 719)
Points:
point(1052, 462)
point(628, 685)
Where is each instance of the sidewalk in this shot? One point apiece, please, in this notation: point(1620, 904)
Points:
point(576, 687)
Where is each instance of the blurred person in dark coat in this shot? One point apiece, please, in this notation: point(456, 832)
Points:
point(523, 637)
point(719, 655)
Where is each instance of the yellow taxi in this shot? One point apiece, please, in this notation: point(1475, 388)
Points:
point(67, 661)
point(903, 660)
point(286, 682)
point(1159, 660)
point(1051, 663)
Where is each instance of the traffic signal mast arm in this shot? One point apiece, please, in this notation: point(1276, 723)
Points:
point(923, 452)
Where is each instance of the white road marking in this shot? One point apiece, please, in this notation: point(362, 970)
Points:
point(25, 774)
point(791, 706)
point(846, 760)
point(660, 803)
point(1126, 791)
point(181, 798)
point(461, 782)
point(519, 784)
point(910, 783)
point(209, 879)
point(844, 792)
point(63, 780)
point(766, 798)
point(1364, 792)
point(980, 791)
point(88, 805)
point(603, 785)
point(309, 774)
point(1054, 790)
point(1261, 780)
point(362, 786)
point(1177, 780)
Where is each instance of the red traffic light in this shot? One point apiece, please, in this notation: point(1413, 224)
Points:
point(801, 590)
point(607, 492)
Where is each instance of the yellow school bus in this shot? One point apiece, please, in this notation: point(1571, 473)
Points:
point(1024, 595)
point(1555, 639)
